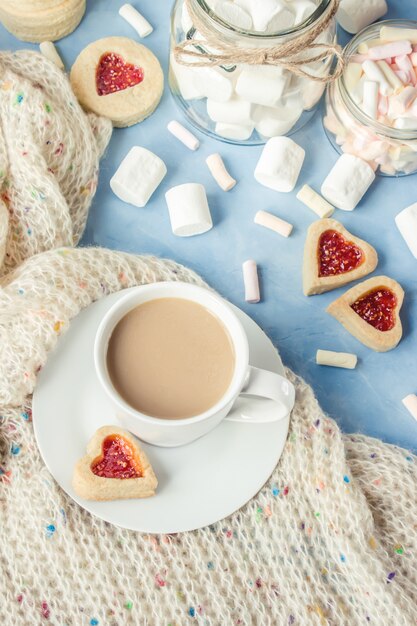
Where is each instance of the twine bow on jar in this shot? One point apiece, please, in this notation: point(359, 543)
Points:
point(214, 50)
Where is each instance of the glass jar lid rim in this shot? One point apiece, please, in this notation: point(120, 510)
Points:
point(349, 51)
point(309, 21)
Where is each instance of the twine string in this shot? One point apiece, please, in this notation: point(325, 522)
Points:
point(290, 54)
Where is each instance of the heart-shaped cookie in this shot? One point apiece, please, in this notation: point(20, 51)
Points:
point(114, 74)
point(114, 467)
point(370, 311)
point(334, 257)
point(118, 78)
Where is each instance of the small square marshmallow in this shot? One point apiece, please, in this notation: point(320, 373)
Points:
point(280, 164)
point(347, 182)
point(138, 175)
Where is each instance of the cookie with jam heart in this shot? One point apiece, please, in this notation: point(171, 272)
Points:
point(118, 78)
point(334, 257)
point(370, 311)
point(115, 467)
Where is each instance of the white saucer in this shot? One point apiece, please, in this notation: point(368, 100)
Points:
point(199, 484)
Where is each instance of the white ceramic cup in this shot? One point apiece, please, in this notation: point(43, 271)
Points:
point(274, 393)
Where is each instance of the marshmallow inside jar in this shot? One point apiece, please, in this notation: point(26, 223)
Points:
point(371, 110)
point(247, 97)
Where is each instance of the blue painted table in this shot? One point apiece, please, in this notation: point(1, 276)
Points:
point(367, 399)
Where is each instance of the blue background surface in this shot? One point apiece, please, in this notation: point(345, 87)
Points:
point(367, 399)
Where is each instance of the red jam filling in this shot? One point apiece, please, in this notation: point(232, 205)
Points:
point(336, 255)
point(113, 74)
point(377, 308)
point(118, 459)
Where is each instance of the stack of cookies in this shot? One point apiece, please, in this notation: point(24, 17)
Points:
point(41, 20)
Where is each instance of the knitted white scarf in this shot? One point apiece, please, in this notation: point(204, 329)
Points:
point(331, 538)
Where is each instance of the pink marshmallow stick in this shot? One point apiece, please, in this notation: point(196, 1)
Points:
point(413, 59)
point(383, 105)
point(393, 49)
point(403, 76)
point(399, 104)
point(405, 65)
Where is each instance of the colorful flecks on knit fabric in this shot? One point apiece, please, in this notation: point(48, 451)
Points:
point(50, 530)
point(45, 611)
point(15, 449)
point(391, 576)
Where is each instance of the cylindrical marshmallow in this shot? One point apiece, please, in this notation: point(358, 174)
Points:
point(219, 172)
point(263, 218)
point(136, 20)
point(235, 132)
point(280, 164)
point(410, 403)
point(388, 50)
point(370, 98)
point(354, 15)
point(407, 225)
point(373, 72)
point(262, 85)
point(347, 182)
point(188, 208)
point(49, 51)
point(390, 75)
point(251, 280)
point(183, 135)
point(235, 111)
point(315, 202)
point(393, 33)
point(336, 359)
point(138, 175)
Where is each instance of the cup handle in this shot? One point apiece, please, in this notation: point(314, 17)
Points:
point(266, 397)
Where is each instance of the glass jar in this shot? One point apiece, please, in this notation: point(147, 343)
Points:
point(280, 105)
point(389, 151)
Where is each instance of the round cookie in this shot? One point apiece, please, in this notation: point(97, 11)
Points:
point(41, 20)
point(118, 78)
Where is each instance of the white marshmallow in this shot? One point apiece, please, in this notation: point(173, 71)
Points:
point(303, 10)
point(336, 359)
point(280, 164)
point(276, 121)
point(373, 72)
point(262, 84)
point(282, 20)
point(351, 75)
point(261, 12)
point(183, 135)
point(136, 20)
point(391, 49)
point(370, 99)
point(283, 228)
point(410, 403)
point(235, 111)
point(184, 77)
point(406, 222)
point(365, 46)
point(390, 75)
point(347, 182)
point(189, 211)
point(49, 51)
point(219, 172)
point(315, 202)
point(251, 280)
point(213, 83)
point(390, 33)
point(353, 15)
point(235, 132)
point(138, 175)
point(233, 14)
